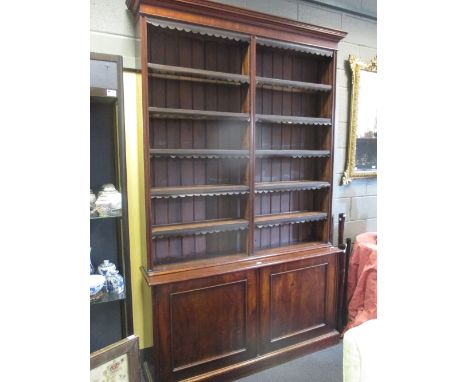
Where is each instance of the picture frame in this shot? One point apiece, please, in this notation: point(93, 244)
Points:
point(362, 133)
point(118, 362)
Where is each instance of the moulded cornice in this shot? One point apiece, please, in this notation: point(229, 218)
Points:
point(234, 15)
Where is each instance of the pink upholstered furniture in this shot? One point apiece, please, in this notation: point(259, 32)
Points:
point(362, 280)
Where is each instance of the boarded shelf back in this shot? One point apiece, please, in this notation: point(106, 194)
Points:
point(199, 153)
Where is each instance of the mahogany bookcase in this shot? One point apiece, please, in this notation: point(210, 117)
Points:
point(238, 120)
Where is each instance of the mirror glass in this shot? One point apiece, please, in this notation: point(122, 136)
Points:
point(366, 134)
point(361, 158)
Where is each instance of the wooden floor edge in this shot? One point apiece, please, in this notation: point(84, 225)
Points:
point(242, 369)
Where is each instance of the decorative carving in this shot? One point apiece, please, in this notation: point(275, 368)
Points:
point(289, 186)
point(198, 30)
point(294, 47)
point(220, 193)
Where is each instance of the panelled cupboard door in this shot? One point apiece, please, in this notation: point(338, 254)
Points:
point(297, 301)
point(205, 324)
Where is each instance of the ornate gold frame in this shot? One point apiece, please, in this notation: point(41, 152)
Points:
point(356, 66)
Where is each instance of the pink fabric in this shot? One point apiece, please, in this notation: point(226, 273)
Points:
point(362, 280)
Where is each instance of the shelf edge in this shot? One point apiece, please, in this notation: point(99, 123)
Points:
point(271, 256)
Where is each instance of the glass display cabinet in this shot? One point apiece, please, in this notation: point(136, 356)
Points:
point(110, 311)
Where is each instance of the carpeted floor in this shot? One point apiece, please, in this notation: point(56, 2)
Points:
point(322, 366)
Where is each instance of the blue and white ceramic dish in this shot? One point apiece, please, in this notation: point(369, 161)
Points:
point(96, 283)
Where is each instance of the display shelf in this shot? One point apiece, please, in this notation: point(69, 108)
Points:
point(273, 220)
point(170, 113)
point(293, 153)
point(280, 84)
point(103, 94)
point(190, 74)
point(107, 297)
point(290, 119)
point(200, 228)
point(298, 185)
point(199, 190)
point(104, 217)
point(199, 153)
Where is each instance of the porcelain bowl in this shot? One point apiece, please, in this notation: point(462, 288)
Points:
point(96, 283)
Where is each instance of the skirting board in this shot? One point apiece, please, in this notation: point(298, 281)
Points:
point(234, 372)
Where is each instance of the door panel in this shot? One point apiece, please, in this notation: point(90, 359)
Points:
point(210, 323)
point(297, 301)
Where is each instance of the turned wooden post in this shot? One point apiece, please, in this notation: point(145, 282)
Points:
point(343, 273)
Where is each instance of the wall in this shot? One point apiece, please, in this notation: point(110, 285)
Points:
point(141, 293)
point(112, 31)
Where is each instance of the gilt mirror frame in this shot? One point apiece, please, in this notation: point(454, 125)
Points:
point(351, 171)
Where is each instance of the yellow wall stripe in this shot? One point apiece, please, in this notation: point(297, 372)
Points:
point(141, 293)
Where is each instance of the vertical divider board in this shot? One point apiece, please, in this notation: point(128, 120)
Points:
point(327, 107)
point(146, 141)
point(252, 101)
point(199, 141)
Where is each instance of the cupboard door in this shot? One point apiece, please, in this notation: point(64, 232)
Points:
point(297, 301)
point(205, 324)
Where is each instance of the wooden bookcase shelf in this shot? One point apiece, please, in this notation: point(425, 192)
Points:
point(290, 119)
point(238, 111)
point(297, 185)
point(200, 228)
point(293, 153)
point(158, 112)
point(190, 74)
point(288, 218)
point(202, 190)
point(279, 84)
